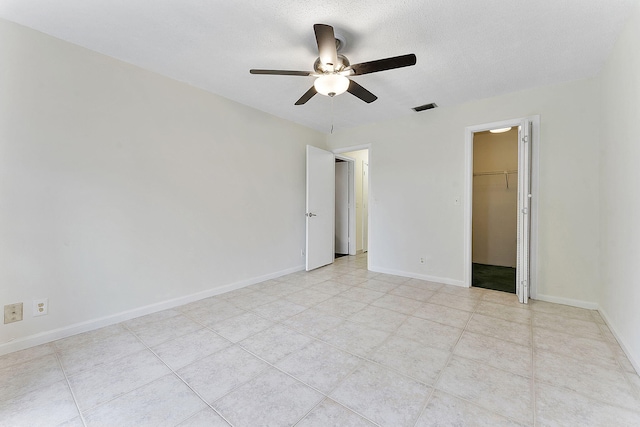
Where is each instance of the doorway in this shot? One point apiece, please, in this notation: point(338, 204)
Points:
point(345, 214)
point(321, 210)
point(361, 186)
point(494, 210)
point(528, 141)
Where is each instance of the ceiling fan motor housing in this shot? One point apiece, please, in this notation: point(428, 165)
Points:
point(320, 68)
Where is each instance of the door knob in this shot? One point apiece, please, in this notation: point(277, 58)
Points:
point(310, 214)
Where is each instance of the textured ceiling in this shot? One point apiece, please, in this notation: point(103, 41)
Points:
point(466, 49)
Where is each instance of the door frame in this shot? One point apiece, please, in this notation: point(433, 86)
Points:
point(468, 196)
point(367, 147)
point(352, 200)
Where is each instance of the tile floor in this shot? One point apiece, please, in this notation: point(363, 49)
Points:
point(338, 346)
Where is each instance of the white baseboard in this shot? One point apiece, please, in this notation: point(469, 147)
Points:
point(567, 301)
point(444, 280)
point(634, 362)
point(90, 325)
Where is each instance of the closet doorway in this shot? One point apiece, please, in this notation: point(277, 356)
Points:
point(493, 178)
point(495, 209)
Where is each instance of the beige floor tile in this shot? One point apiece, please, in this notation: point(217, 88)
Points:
point(278, 310)
point(113, 379)
point(378, 285)
point(275, 343)
point(240, 327)
point(576, 327)
point(362, 295)
point(251, 300)
point(562, 310)
point(74, 422)
point(583, 349)
point(90, 338)
point(154, 333)
point(275, 399)
point(424, 284)
point(49, 405)
point(307, 297)
point(350, 280)
point(412, 292)
point(355, 338)
point(276, 289)
point(501, 311)
point(397, 303)
point(594, 381)
point(319, 365)
point(498, 391)
point(30, 375)
point(502, 329)
point(382, 395)
point(504, 298)
point(430, 333)
point(443, 314)
point(313, 322)
point(340, 306)
point(214, 376)
point(444, 410)
point(331, 287)
point(454, 301)
point(151, 318)
point(25, 355)
point(390, 278)
point(494, 352)
point(92, 353)
point(331, 413)
point(188, 348)
point(205, 418)
point(379, 318)
point(463, 291)
point(411, 358)
point(211, 315)
point(560, 407)
point(165, 401)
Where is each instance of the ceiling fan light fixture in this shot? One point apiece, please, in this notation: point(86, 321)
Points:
point(331, 84)
point(500, 130)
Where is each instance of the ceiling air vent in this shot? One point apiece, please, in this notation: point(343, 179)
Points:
point(425, 107)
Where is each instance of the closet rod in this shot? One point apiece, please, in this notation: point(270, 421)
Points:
point(495, 173)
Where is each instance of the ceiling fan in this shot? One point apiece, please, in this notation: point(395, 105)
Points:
point(332, 70)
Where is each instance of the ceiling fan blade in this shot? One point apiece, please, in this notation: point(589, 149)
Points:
point(282, 72)
point(357, 90)
point(384, 64)
point(307, 96)
point(326, 45)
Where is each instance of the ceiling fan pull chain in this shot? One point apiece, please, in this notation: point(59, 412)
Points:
point(332, 115)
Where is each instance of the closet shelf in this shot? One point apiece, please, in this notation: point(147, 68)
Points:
point(495, 173)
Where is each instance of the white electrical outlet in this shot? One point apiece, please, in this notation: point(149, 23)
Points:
point(40, 307)
point(422, 260)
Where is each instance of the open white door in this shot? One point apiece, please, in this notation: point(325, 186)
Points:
point(524, 210)
point(320, 213)
point(342, 208)
point(365, 206)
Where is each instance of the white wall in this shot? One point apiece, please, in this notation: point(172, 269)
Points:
point(417, 170)
point(619, 191)
point(120, 188)
point(359, 156)
point(495, 204)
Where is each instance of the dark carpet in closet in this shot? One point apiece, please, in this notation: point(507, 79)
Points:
point(494, 277)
